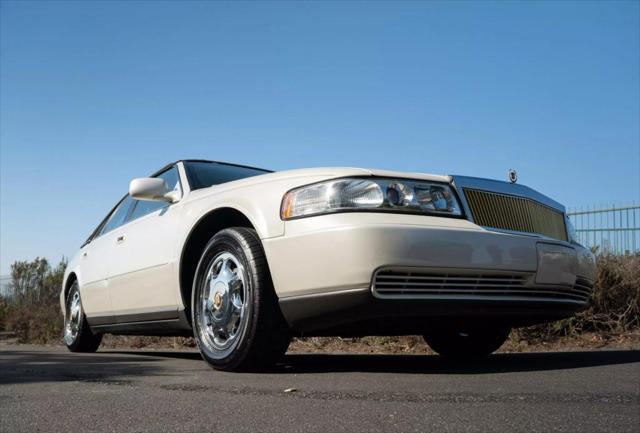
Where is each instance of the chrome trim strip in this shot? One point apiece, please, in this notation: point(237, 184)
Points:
point(133, 316)
point(510, 298)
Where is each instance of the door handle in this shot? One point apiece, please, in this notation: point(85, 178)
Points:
point(120, 239)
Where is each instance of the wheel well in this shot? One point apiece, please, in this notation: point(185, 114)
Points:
point(208, 225)
point(72, 278)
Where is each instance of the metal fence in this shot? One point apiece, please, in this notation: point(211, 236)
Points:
point(612, 229)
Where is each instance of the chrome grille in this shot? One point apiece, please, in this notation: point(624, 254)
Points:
point(516, 213)
point(468, 284)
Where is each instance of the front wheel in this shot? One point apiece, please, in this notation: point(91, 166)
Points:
point(237, 321)
point(466, 343)
point(77, 334)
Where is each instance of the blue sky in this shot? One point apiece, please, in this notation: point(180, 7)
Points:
point(93, 94)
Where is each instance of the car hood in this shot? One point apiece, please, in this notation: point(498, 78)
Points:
point(355, 171)
point(307, 175)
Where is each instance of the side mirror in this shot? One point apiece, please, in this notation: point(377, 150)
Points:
point(151, 189)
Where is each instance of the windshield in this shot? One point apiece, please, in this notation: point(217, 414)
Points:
point(203, 174)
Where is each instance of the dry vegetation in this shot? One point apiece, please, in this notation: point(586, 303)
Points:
point(613, 318)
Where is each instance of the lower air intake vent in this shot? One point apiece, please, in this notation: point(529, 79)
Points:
point(465, 284)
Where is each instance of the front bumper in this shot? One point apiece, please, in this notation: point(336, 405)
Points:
point(323, 270)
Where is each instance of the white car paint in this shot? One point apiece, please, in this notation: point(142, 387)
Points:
point(135, 269)
point(141, 273)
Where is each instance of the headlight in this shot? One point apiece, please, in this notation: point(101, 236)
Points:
point(371, 194)
point(571, 231)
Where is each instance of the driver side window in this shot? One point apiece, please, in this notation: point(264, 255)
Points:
point(119, 216)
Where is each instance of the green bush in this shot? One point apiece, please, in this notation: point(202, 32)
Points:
point(32, 311)
point(614, 308)
point(4, 311)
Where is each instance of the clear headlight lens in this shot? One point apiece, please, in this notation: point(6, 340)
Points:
point(370, 194)
point(571, 231)
point(330, 196)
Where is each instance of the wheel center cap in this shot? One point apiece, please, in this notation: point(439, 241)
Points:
point(217, 300)
point(220, 291)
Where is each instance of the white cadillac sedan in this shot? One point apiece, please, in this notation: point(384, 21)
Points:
point(243, 259)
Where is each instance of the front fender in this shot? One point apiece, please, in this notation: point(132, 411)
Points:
point(258, 202)
point(73, 269)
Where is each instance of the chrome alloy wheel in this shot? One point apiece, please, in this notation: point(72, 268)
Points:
point(224, 305)
point(72, 318)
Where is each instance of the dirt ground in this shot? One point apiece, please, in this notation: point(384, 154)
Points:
point(397, 345)
point(381, 345)
point(416, 345)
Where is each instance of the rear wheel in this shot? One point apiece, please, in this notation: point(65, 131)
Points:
point(77, 334)
point(466, 342)
point(237, 321)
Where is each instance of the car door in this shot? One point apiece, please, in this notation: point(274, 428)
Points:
point(141, 281)
point(94, 265)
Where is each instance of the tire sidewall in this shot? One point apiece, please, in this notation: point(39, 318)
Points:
point(481, 342)
point(75, 287)
point(231, 241)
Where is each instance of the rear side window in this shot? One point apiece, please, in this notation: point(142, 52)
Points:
point(144, 207)
point(118, 216)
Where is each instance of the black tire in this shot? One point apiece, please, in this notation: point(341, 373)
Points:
point(83, 339)
point(264, 336)
point(462, 343)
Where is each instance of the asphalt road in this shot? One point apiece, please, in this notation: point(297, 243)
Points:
point(48, 389)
